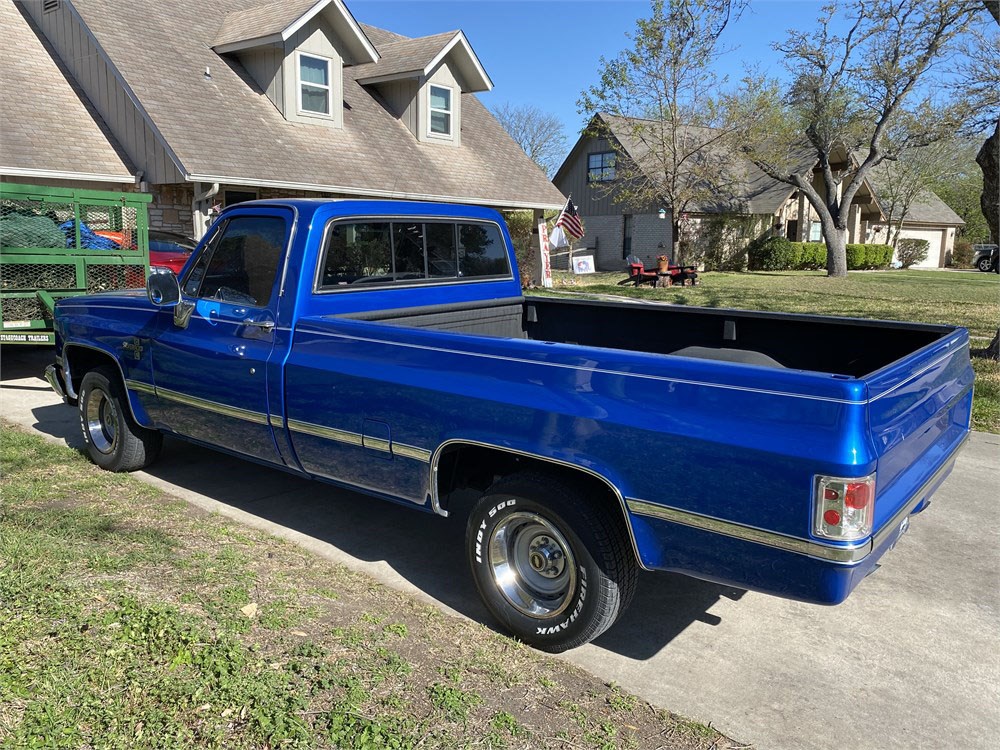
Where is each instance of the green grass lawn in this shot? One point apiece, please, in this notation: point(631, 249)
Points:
point(132, 620)
point(970, 299)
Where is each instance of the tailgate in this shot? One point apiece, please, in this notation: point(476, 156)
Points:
point(919, 411)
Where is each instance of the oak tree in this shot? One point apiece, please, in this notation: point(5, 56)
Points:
point(864, 68)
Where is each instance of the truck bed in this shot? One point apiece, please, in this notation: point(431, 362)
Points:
point(836, 346)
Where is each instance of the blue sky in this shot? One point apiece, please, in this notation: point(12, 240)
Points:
point(546, 52)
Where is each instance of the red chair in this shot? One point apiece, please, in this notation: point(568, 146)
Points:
point(637, 272)
point(674, 276)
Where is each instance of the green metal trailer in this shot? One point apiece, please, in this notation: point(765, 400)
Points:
point(60, 242)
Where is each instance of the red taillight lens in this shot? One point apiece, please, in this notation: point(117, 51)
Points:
point(844, 508)
point(858, 495)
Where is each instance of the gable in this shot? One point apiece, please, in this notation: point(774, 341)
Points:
point(279, 20)
point(42, 110)
point(221, 125)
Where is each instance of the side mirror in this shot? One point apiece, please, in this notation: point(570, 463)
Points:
point(163, 288)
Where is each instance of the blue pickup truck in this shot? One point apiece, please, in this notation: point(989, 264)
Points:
point(386, 347)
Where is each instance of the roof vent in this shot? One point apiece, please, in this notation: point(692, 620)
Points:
point(48, 6)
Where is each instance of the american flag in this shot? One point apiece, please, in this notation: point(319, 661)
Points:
point(569, 220)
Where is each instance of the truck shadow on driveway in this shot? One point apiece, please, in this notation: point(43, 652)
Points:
point(425, 550)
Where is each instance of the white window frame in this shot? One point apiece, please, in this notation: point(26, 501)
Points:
point(450, 135)
point(299, 83)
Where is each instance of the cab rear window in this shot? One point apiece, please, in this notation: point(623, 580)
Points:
point(406, 252)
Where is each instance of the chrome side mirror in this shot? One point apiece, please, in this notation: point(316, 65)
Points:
point(163, 288)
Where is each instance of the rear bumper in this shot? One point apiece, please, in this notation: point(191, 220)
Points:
point(745, 557)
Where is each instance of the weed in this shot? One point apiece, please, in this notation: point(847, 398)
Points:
point(308, 650)
point(619, 700)
point(352, 637)
point(453, 702)
point(398, 629)
point(506, 723)
point(391, 663)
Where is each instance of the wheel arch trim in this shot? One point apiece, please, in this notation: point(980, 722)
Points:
point(68, 377)
point(435, 498)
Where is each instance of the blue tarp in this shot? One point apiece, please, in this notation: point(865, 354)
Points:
point(88, 239)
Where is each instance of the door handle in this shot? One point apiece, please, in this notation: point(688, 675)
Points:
point(264, 325)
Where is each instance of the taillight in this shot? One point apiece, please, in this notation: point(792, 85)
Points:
point(844, 508)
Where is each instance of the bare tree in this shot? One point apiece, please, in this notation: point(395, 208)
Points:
point(540, 134)
point(899, 182)
point(658, 109)
point(848, 92)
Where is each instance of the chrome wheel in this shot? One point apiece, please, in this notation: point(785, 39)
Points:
point(532, 565)
point(102, 422)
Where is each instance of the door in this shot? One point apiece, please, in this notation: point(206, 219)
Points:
point(210, 354)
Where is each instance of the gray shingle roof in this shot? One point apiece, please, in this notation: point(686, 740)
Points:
point(405, 56)
point(45, 123)
point(261, 20)
point(753, 190)
point(758, 192)
point(225, 128)
point(928, 208)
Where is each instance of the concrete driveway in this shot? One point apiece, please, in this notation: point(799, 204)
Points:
point(911, 660)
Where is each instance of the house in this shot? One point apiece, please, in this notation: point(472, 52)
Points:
point(240, 99)
point(590, 174)
point(928, 218)
point(49, 132)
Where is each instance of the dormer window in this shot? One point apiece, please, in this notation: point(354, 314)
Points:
point(440, 110)
point(314, 85)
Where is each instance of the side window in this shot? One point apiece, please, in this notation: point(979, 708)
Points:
point(241, 262)
point(481, 251)
point(412, 252)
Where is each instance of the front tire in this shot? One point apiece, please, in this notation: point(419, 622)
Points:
point(553, 567)
point(114, 440)
point(985, 265)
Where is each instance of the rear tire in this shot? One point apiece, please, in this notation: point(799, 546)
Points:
point(552, 566)
point(985, 265)
point(114, 440)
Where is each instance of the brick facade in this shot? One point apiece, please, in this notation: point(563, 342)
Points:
point(605, 235)
point(648, 232)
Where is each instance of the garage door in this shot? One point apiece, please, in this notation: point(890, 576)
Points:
point(934, 241)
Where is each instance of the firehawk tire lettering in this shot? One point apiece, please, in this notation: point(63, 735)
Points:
point(537, 520)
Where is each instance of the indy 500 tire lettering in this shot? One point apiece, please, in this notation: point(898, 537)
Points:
point(551, 564)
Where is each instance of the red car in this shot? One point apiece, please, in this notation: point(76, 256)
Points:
point(166, 249)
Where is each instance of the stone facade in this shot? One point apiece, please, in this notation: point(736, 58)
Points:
point(170, 210)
